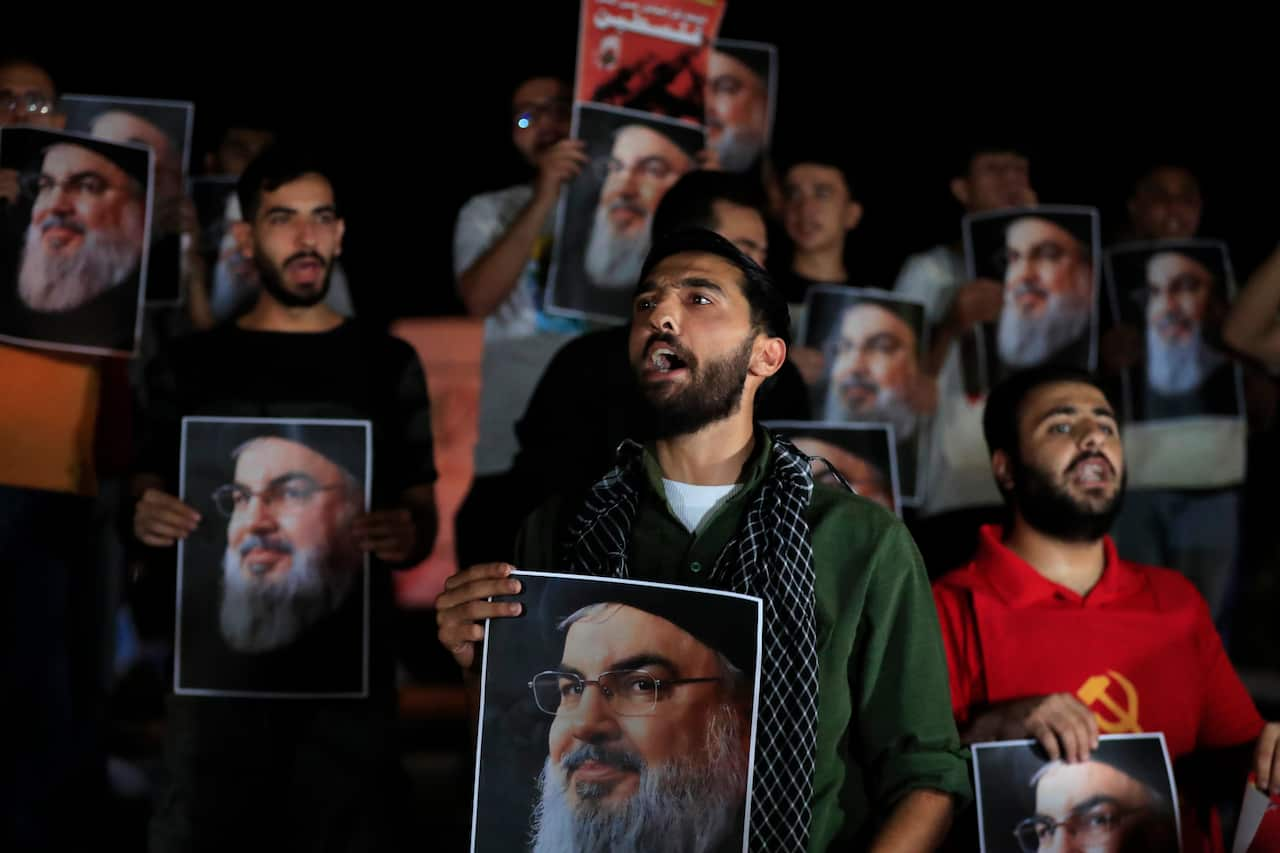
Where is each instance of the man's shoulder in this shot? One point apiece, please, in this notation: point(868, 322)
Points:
point(496, 202)
point(847, 528)
point(1170, 588)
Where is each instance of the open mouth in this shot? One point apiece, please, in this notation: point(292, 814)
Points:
point(663, 359)
point(1092, 470)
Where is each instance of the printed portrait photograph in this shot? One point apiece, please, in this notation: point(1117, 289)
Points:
point(273, 590)
point(863, 454)
point(1177, 294)
point(1122, 799)
point(872, 345)
point(75, 254)
point(1049, 260)
point(165, 127)
point(740, 98)
point(605, 216)
point(617, 715)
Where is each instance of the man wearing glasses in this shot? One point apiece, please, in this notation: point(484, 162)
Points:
point(639, 169)
point(290, 559)
point(1048, 294)
point(650, 720)
point(87, 231)
point(1099, 805)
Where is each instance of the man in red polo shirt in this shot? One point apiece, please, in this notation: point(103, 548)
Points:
point(1049, 634)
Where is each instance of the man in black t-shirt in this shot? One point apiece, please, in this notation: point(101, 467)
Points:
point(299, 774)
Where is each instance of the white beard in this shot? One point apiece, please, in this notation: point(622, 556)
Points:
point(738, 148)
point(1027, 341)
point(613, 260)
point(1179, 368)
point(888, 407)
point(54, 283)
point(261, 615)
point(679, 807)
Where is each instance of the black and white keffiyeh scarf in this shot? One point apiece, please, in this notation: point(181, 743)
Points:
point(770, 556)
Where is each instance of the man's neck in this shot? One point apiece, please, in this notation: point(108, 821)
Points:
point(712, 456)
point(268, 315)
point(821, 264)
point(1076, 565)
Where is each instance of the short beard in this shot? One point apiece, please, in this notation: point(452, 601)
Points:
point(713, 393)
point(738, 148)
point(54, 283)
point(888, 407)
point(614, 260)
point(1178, 368)
point(272, 280)
point(1025, 341)
point(681, 807)
point(1047, 508)
point(263, 615)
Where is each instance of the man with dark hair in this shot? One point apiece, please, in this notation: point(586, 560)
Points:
point(851, 747)
point(1143, 654)
point(957, 493)
point(1166, 203)
point(304, 774)
point(591, 376)
point(819, 210)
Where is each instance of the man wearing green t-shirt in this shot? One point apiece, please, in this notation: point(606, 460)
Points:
point(855, 746)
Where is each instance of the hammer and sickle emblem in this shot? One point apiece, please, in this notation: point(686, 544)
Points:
point(1094, 690)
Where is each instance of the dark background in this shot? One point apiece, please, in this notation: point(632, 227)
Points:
point(419, 110)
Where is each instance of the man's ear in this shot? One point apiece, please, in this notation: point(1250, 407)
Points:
point(960, 191)
point(1002, 468)
point(243, 232)
point(342, 229)
point(852, 215)
point(767, 356)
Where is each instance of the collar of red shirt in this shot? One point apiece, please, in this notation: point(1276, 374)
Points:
point(1018, 584)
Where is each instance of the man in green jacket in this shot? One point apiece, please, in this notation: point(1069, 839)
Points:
point(855, 748)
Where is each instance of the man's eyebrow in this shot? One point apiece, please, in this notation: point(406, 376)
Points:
point(569, 670)
point(1062, 409)
point(279, 208)
point(1093, 802)
point(690, 281)
point(290, 475)
point(884, 338)
point(325, 208)
point(646, 659)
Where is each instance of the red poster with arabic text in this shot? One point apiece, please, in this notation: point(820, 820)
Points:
point(647, 56)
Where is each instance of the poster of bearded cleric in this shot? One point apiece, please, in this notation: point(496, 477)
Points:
point(1177, 293)
point(872, 345)
point(741, 96)
point(165, 127)
point(1049, 260)
point(603, 221)
point(273, 591)
point(74, 253)
point(862, 454)
point(617, 715)
point(1122, 797)
point(647, 55)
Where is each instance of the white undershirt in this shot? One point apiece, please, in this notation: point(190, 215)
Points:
point(692, 503)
